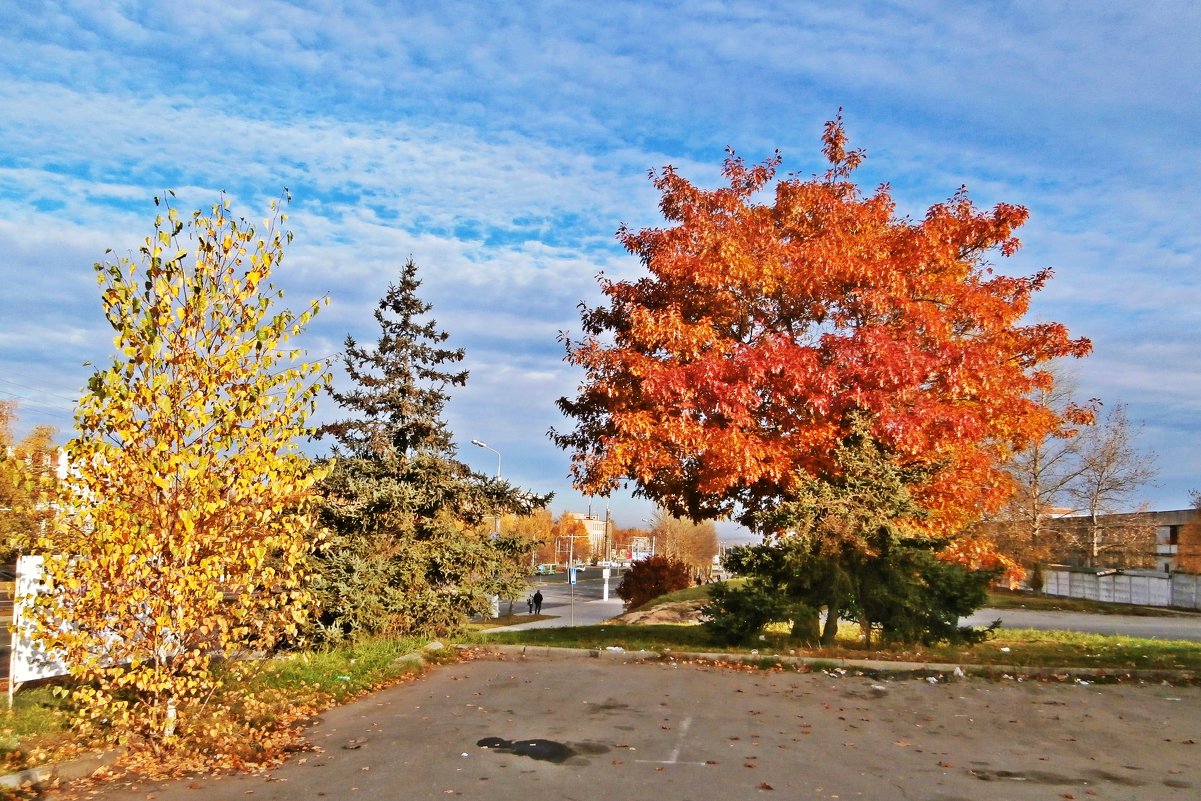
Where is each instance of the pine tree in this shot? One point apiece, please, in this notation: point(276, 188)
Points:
point(850, 543)
point(401, 383)
point(408, 551)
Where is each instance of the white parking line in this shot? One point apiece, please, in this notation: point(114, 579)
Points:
point(674, 759)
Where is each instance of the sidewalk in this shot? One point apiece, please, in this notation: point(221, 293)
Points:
point(566, 614)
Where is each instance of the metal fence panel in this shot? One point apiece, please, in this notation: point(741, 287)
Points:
point(1182, 590)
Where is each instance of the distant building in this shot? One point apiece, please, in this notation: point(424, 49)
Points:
point(1167, 541)
point(598, 532)
point(1178, 541)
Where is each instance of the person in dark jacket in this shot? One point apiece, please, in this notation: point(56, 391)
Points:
point(538, 602)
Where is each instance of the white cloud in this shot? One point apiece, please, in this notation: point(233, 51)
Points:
point(500, 145)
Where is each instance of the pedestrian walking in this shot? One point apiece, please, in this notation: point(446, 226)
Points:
point(530, 603)
point(538, 602)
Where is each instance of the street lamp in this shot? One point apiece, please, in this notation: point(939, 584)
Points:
point(652, 532)
point(495, 531)
point(484, 445)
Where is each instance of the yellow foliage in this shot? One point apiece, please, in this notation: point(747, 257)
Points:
point(189, 514)
point(28, 484)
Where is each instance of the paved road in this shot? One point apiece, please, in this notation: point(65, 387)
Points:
point(589, 609)
point(581, 605)
point(588, 729)
point(1175, 627)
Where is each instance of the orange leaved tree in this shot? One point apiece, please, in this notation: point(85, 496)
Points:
point(764, 332)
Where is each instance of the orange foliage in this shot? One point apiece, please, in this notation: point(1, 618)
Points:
point(980, 554)
point(737, 364)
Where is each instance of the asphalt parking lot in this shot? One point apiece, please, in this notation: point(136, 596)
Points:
point(541, 729)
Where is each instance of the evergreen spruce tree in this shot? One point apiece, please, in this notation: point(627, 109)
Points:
point(850, 547)
point(407, 551)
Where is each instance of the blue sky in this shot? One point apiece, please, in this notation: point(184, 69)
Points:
point(502, 144)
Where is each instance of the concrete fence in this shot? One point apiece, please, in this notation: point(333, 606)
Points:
point(1181, 590)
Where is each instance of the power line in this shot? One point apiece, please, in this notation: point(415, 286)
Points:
point(26, 401)
point(72, 401)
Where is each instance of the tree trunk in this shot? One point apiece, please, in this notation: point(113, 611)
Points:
point(830, 630)
point(1037, 580)
point(865, 626)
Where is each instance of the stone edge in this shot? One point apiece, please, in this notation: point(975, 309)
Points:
point(865, 666)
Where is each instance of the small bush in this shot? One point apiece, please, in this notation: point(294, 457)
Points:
point(652, 577)
point(734, 615)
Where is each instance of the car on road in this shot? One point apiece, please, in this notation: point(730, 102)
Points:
point(545, 569)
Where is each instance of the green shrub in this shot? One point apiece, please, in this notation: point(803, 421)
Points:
point(734, 615)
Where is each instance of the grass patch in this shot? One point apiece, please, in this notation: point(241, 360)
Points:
point(997, 599)
point(283, 690)
point(334, 675)
point(1030, 648)
point(698, 592)
point(631, 638)
point(34, 730)
point(1017, 647)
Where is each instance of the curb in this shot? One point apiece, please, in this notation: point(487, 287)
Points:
point(870, 667)
point(71, 770)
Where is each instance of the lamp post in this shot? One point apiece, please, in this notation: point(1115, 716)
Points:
point(484, 445)
point(496, 530)
point(571, 572)
point(652, 533)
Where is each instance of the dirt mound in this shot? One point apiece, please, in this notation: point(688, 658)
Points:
point(679, 612)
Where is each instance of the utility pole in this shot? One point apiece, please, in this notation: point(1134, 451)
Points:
point(607, 552)
point(607, 567)
point(496, 530)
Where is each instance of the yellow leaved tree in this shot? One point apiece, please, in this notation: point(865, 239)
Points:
point(27, 484)
point(187, 516)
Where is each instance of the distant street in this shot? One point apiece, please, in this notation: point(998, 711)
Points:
point(1174, 627)
point(581, 605)
point(589, 610)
